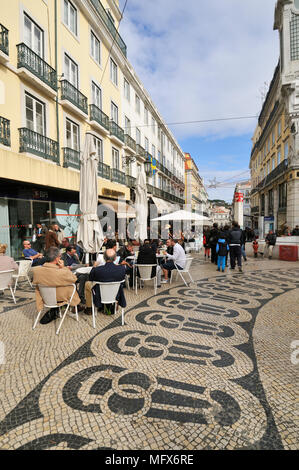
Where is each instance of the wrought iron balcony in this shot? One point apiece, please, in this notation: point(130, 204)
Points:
point(71, 158)
point(130, 181)
point(255, 210)
point(140, 151)
point(104, 171)
point(96, 114)
point(38, 144)
point(278, 171)
point(110, 25)
point(118, 176)
point(36, 65)
point(4, 39)
point(4, 131)
point(129, 142)
point(72, 94)
point(116, 131)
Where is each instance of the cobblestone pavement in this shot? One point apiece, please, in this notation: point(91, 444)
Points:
point(206, 366)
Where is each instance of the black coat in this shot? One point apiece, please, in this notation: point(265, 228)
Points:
point(147, 256)
point(235, 236)
point(213, 238)
point(108, 272)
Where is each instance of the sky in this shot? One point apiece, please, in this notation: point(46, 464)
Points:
point(205, 60)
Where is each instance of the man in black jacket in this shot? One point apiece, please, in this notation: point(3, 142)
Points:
point(109, 272)
point(214, 235)
point(235, 239)
point(270, 241)
point(146, 255)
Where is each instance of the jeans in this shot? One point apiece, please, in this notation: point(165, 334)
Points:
point(221, 262)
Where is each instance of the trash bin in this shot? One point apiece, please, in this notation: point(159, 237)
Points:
point(288, 253)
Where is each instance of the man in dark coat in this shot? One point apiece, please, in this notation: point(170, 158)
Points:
point(109, 272)
point(214, 234)
point(235, 241)
point(146, 255)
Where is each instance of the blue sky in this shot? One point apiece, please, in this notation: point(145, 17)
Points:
point(204, 60)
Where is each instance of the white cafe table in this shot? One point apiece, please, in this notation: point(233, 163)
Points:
point(84, 270)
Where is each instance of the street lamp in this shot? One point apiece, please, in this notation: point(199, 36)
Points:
point(147, 163)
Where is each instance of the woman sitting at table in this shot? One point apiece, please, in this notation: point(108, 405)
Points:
point(147, 256)
point(6, 262)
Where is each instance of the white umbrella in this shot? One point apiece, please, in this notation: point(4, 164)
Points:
point(141, 206)
point(90, 234)
point(184, 215)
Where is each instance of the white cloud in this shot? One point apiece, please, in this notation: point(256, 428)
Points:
point(203, 59)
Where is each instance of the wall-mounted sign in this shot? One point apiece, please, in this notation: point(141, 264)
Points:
point(238, 197)
point(111, 192)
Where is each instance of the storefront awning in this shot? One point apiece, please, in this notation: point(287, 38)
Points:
point(161, 205)
point(121, 208)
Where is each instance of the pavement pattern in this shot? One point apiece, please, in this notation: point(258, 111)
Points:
point(206, 366)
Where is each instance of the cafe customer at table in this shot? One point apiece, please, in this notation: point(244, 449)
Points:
point(28, 252)
point(147, 256)
point(109, 272)
point(178, 257)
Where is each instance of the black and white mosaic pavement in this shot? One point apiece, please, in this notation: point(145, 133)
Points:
point(182, 373)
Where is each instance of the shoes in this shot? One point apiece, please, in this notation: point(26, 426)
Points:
point(245, 259)
point(164, 281)
point(232, 268)
point(218, 269)
point(223, 270)
point(50, 316)
point(240, 269)
point(88, 311)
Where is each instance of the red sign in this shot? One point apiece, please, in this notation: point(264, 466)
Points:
point(238, 197)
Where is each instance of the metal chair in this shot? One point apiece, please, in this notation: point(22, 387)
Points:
point(24, 268)
point(185, 270)
point(48, 294)
point(109, 291)
point(145, 271)
point(5, 281)
point(190, 247)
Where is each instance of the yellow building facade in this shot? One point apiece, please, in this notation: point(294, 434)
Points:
point(61, 65)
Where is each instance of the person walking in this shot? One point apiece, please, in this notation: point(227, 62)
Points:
point(235, 241)
point(213, 242)
point(51, 238)
point(206, 245)
point(222, 249)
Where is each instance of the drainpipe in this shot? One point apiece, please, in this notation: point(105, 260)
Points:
point(56, 68)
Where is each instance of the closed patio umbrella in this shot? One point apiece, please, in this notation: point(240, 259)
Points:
point(90, 234)
point(141, 206)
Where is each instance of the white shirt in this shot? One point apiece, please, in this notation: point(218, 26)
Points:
point(179, 256)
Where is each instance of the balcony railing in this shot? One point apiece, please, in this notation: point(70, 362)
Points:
point(129, 142)
point(278, 171)
point(4, 39)
point(116, 131)
point(164, 194)
point(38, 144)
point(4, 131)
point(72, 94)
point(255, 210)
point(118, 176)
point(96, 114)
point(71, 158)
point(140, 151)
point(104, 171)
point(130, 181)
point(36, 65)
point(110, 25)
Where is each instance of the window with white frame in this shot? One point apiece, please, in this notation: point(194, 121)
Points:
point(113, 72)
point(146, 116)
point(286, 149)
point(137, 104)
point(96, 95)
point(138, 136)
point(70, 16)
point(153, 151)
point(278, 156)
point(33, 36)
point(95, 48)
point(273, 163)
point(98, 143)
point(273, 137)
point(70, 71)
point(126, 89)
point(114, 112)
point(72, 135)
point(127, 126)
point(35, 114)
point(146, 144)
point(115, 158)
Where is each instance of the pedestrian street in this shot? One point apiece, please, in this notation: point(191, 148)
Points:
point(208, 366)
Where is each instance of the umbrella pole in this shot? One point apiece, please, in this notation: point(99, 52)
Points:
point(87, 258)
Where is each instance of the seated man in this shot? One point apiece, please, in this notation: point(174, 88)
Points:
point(109, 272)
point(123, 253)
point(70, 257)
point(110, 244)
point(178, 257)
point(146, 255)
point(28, 252)
point(54, 273)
